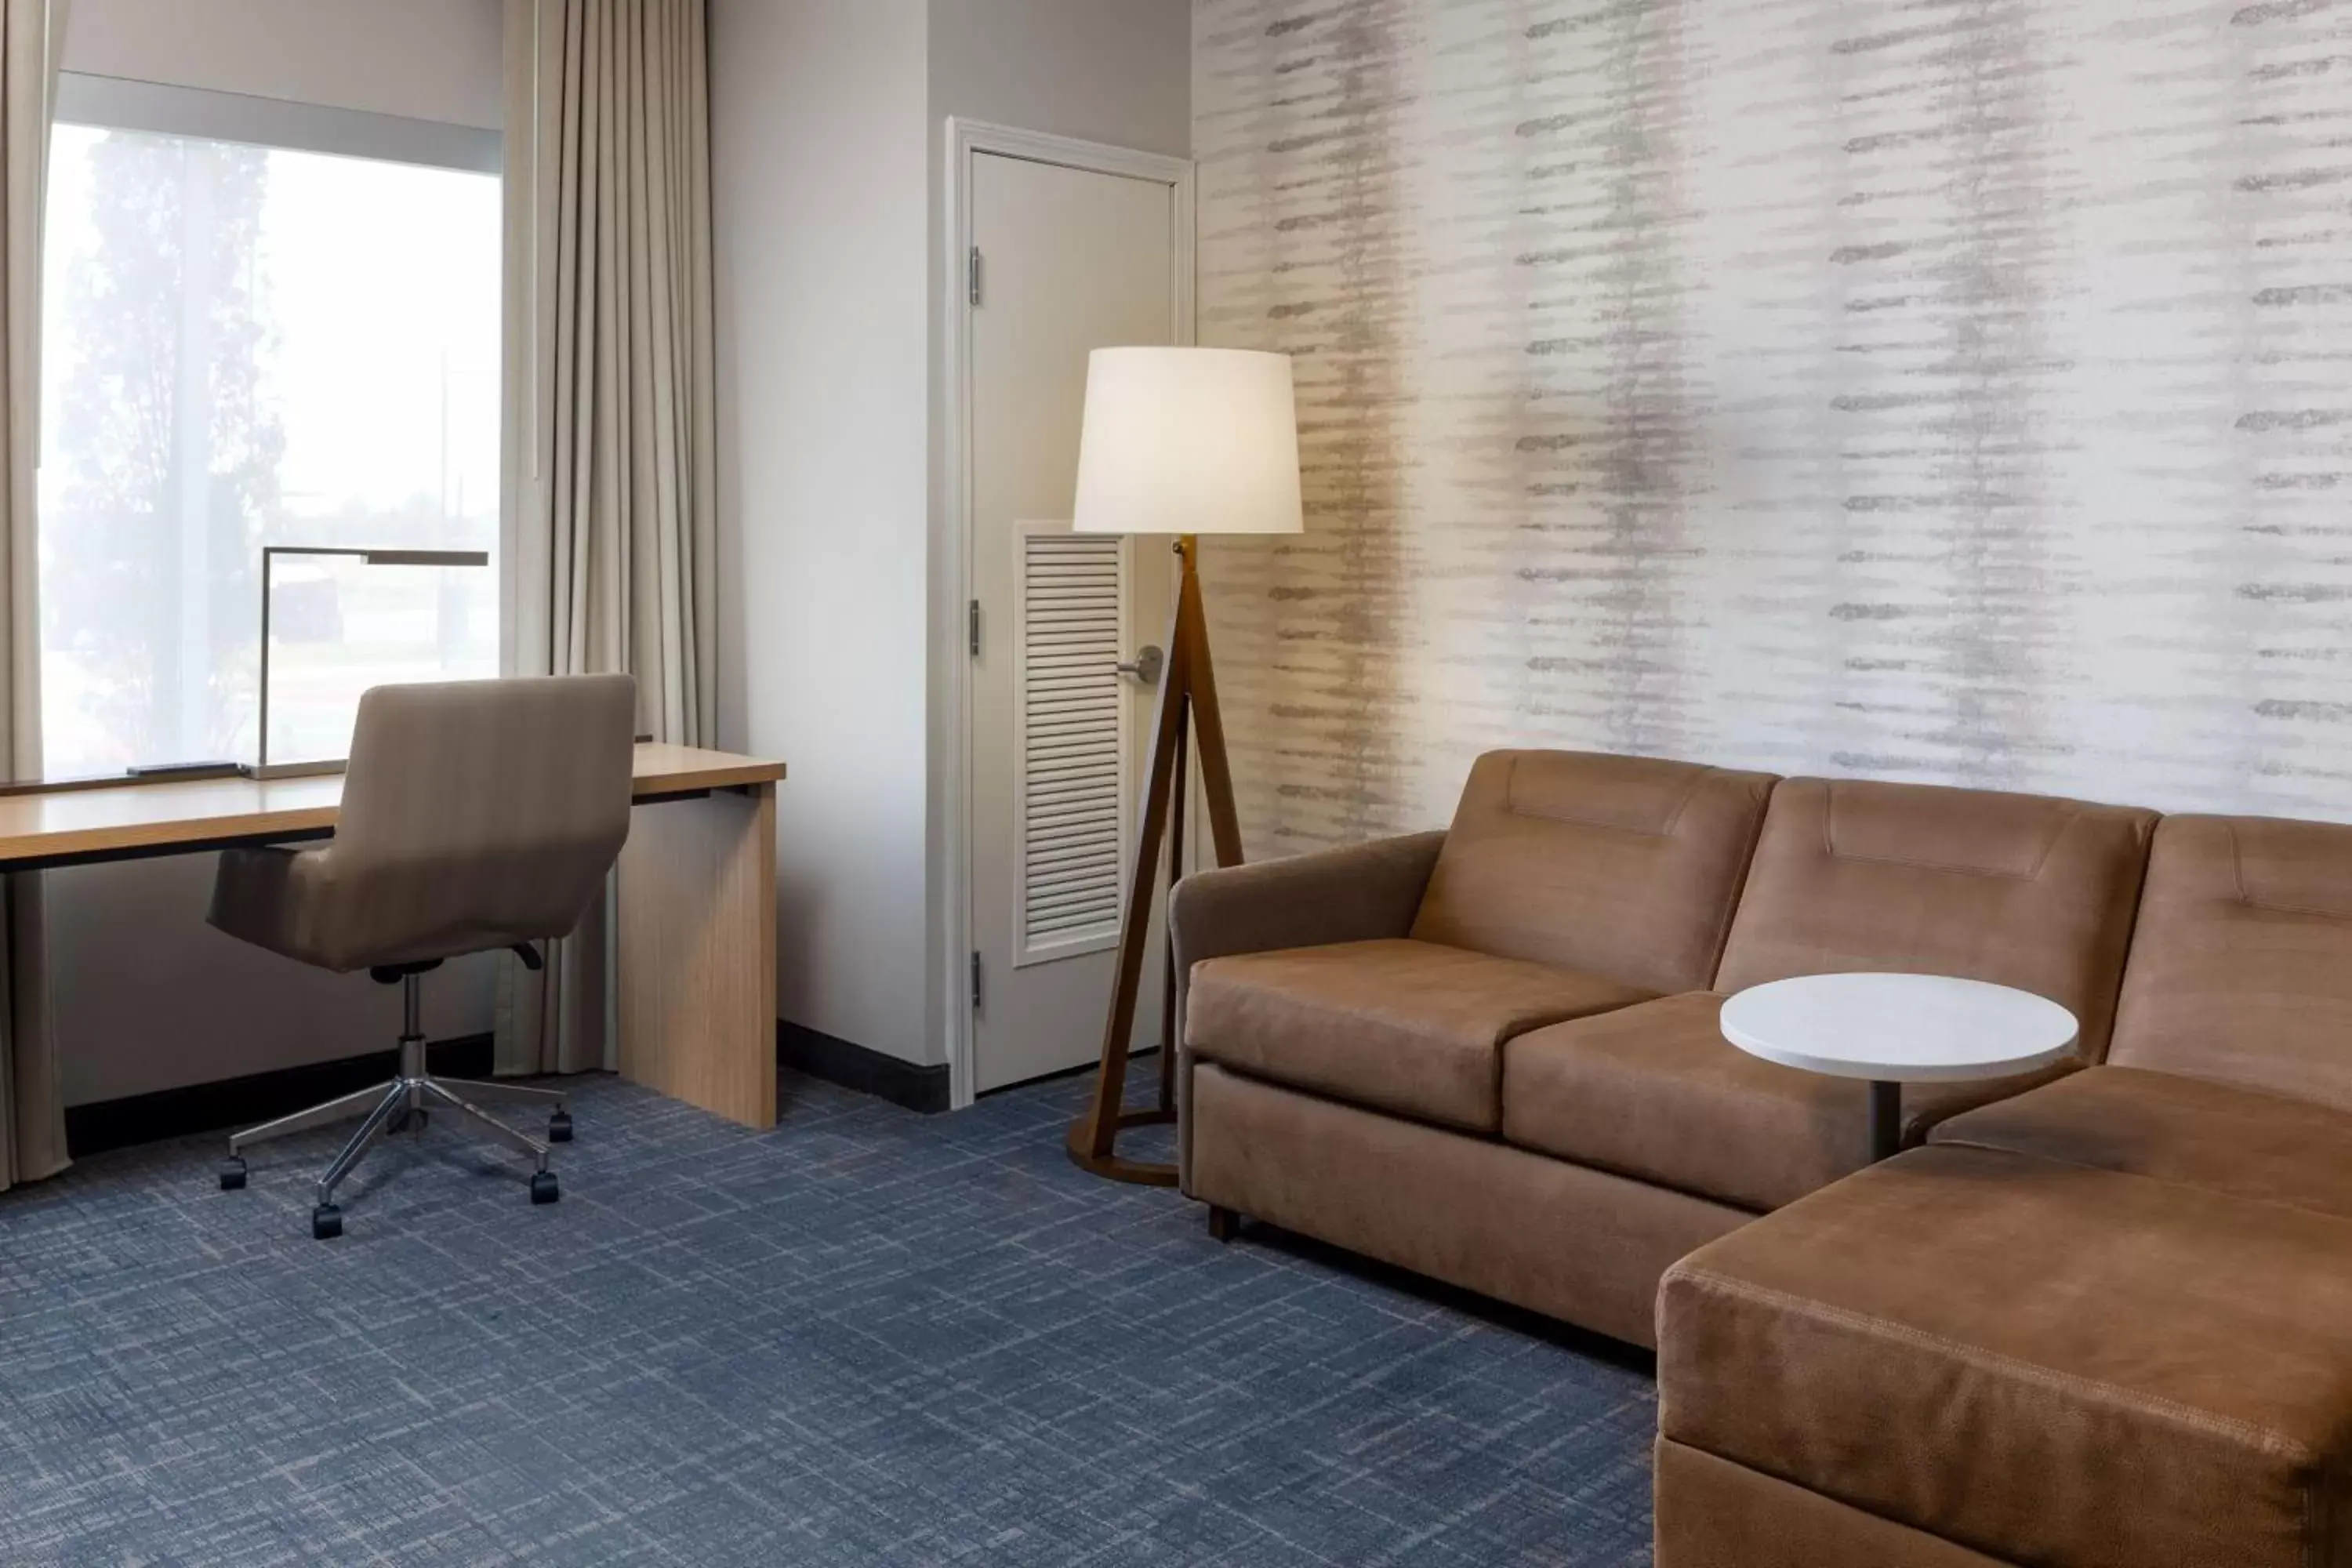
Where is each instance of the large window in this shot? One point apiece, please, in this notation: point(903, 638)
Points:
point(248, 345)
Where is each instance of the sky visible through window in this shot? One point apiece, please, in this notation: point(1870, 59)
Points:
point(248, 346)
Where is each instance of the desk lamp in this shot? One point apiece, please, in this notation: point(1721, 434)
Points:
point(263, 768)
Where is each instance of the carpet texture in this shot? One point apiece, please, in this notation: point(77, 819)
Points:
point(868, 1337)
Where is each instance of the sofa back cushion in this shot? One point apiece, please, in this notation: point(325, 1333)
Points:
point(1625, 867)
point(2018, 889)
point(2241, 968)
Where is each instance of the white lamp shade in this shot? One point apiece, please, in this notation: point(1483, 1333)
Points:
point(1189, 441)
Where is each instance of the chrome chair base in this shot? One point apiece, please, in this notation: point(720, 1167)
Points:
point(401, 1106)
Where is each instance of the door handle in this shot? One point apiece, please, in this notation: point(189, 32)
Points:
point(1150, 662)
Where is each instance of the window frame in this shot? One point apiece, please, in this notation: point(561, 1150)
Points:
point(121, 103)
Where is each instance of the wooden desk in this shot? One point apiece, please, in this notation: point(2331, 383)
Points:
point(697, 942)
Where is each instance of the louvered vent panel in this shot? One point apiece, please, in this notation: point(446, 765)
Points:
point(1071, 785)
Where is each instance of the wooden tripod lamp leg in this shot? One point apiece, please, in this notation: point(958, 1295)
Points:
point(1208, 719)
point(1176, 797)
point(1188, 696)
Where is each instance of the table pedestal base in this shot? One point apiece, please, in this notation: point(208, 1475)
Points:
point(1885, 1120)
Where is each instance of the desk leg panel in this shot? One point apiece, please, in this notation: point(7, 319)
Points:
point(697, 953)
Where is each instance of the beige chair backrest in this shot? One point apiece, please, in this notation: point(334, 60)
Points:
point(476, 815)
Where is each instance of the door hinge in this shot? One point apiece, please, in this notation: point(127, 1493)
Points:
point(974, 619)
point(976, 991)
point(974, 270)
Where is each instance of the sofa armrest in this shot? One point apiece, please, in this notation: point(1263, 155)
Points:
point(1361, 893)
point(1356, 894)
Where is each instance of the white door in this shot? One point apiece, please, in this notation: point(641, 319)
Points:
point(1070, 260)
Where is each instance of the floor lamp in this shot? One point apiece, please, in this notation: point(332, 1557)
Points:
point(1177, 442)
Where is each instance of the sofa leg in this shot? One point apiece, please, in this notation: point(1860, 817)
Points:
point(1223, 1224)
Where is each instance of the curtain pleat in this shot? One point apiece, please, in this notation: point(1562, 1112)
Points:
point(32, 1090)
point(612, 478)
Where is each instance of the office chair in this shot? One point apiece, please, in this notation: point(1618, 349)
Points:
point(477, 814)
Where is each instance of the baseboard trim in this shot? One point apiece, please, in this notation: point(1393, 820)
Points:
point(868, 1072)
point(259, 1097)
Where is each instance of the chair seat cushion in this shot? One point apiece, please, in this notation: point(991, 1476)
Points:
point(2177, 1129)
point(1407, 1026)
point(2048, 1363)
point(1656, 1092)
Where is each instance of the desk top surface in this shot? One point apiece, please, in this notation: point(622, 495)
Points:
point(163, 817)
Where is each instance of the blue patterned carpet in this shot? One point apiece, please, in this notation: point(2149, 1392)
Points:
point(867, 1338)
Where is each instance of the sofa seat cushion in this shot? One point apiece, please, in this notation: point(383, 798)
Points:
point(1655, 1091)
point(2051, 1365)
point(1407, 1026)
point(2177, 1129)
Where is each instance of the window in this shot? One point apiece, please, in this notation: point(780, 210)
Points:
point(248, 345)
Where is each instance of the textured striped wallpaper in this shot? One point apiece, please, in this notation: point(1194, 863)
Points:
point(1950, 390)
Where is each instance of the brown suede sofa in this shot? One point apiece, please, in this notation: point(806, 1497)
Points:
point(1491, 1054)
point(2104, 1324)
point(2097, 1318)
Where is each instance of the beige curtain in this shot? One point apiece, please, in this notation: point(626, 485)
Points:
point(611, 477)
point(32, 1098)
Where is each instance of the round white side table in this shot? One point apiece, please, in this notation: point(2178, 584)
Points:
point(1894, 1029)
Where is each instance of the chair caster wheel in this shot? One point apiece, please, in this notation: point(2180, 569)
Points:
point(543, 1188)
point(558, 1127)
point(232, 1173)
point(326, 1222)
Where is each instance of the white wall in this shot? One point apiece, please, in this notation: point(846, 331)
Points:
point(819, 189)
point(1104, 70)
point(147, 996)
